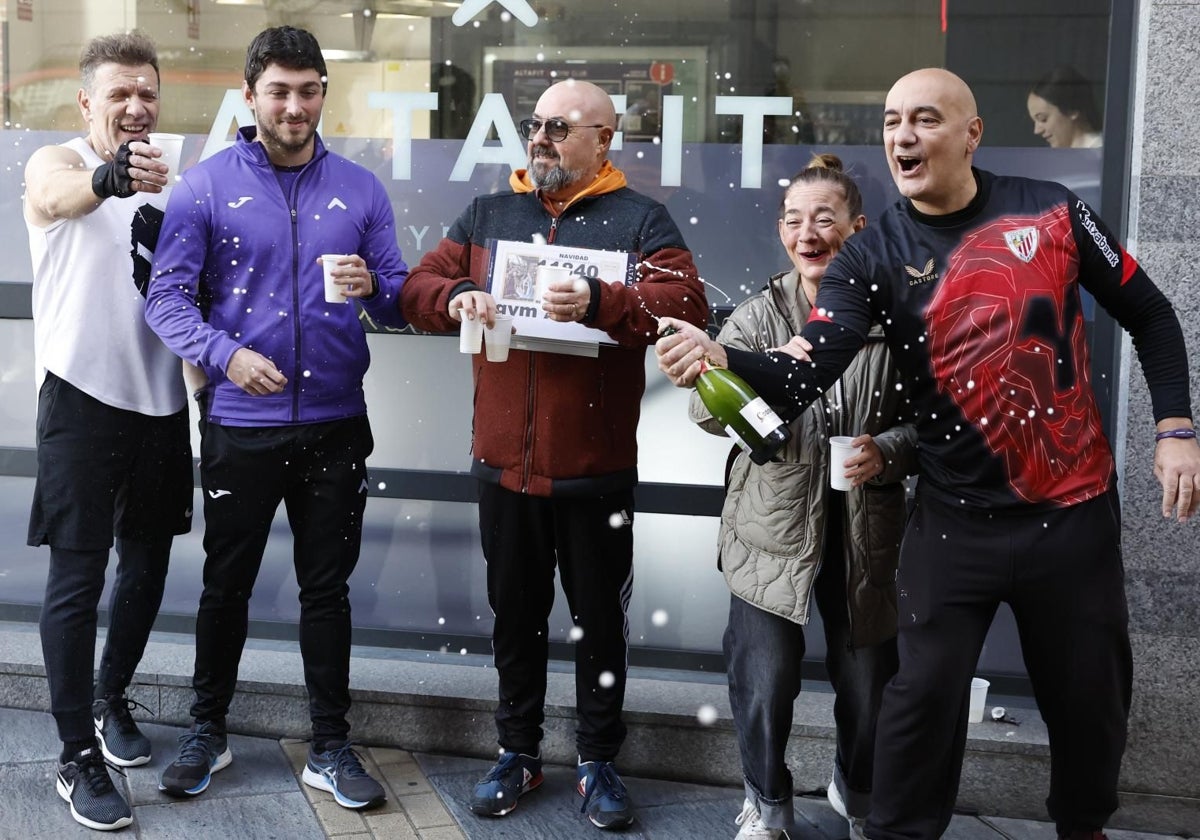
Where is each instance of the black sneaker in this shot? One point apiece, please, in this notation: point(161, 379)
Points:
point(204, 751)
point(514, 775)
point(85, 784)
point(605, 800)
point(120, 739)
point(339, 770)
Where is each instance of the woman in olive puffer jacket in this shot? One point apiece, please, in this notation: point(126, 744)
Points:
point(787, 539)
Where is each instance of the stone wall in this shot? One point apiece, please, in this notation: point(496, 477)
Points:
point(1162, 558)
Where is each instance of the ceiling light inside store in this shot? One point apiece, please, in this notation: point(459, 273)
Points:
point(384, 15)
point(347, 55)
point(402, 9)
point(379, 13)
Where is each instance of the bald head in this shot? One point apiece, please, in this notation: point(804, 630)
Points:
point(578, 102)
point(937, 85)
point(562, 167)
point(931, 129)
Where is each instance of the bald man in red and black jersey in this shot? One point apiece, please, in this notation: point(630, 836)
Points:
point(976, 280)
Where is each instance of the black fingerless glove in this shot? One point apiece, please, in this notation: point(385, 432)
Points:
point(112, 179)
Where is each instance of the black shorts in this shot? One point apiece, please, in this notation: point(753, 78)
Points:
point(105, 471)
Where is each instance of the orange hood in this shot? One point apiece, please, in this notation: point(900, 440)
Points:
point(608, 179)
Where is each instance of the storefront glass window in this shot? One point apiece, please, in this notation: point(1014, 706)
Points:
point(720, 101)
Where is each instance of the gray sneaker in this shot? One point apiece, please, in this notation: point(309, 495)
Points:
point(203, 751)
point(120, 739)
point(86, 786)
point(339, 771)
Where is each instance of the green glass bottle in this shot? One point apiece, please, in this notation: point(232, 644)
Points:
point(745, 415)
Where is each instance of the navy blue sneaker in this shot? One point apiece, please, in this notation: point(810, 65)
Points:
point(204, 751)
point(339, 771)
point(86, 786)
point(605, 800)
point(514, 775)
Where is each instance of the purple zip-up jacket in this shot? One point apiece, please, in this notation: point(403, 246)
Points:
point(237, 266)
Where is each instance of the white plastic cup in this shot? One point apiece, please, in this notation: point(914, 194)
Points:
point(499, 339)
point(470, 334)
point(839, 450)
point(172, 152)
point(979, 690)
point(333, 291)
point(547, 274)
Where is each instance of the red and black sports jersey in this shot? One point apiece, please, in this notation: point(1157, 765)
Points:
point(983, 315)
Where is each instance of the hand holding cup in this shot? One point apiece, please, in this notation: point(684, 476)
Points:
point(171, 146)
point(840, 450)
point(853, 461)
point(346, 276)
point(562, 296)
point(334, 291)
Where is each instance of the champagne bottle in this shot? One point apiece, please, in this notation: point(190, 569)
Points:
point(745, 415)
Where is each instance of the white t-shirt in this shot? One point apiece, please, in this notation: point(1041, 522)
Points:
point(89, 323)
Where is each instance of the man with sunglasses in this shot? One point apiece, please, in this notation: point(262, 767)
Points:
point(555, 435)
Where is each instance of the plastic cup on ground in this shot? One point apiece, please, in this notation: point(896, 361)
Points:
point(470, 335)
point(547, 274)
point(333, 292)
point(172, 152)
point(498, 339)
point(979, 690)
point(839, 450)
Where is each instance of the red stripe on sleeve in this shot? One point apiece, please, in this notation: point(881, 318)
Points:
point(1128, 266)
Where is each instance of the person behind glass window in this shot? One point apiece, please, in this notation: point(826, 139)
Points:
point(796, 127)
point(114, 459)
point(1063, 109)
point(976, 279)
point(238, 291)
point(555, 435)
point(787, 539)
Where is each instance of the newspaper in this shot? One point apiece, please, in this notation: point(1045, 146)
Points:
point(512, 281)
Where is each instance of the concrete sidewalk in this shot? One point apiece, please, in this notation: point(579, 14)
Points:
point(260, 797)
point(427, 721)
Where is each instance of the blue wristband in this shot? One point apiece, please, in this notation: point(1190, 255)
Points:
point(1185, 434)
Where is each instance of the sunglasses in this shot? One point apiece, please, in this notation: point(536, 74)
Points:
point(556, 129)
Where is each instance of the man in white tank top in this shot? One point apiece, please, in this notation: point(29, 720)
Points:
point(114, 453)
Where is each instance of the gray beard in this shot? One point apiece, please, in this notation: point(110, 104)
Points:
point(554, 180)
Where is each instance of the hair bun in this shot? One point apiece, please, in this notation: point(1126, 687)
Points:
point(826, 168)
point(825, 160)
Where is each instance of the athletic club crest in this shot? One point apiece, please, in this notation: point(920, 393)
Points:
point(1022, 242)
